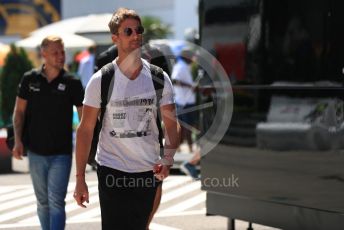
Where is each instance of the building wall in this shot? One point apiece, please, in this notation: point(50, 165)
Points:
point(20, 17)
point(185, 16)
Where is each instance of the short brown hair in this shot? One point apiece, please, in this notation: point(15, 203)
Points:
point(119, 16)
point(51, 39)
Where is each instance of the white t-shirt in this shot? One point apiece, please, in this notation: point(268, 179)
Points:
point(129, 137)
point(183, 95)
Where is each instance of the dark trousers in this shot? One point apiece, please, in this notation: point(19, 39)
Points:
point(126, 199)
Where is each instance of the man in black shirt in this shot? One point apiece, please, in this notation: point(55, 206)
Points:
point(45, 101)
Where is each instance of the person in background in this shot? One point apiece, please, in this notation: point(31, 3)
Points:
point(184, 89)
point(86, 66)
point(45, 101)
point(122, 154)
point(190, 167)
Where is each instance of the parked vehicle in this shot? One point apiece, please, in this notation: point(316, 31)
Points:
point(5, 153)
point(284, 146)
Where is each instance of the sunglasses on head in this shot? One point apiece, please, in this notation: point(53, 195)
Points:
point(129, 31)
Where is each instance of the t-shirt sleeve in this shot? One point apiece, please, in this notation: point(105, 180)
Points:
point(178, 72)
point(23, 87)
point(92, 91)
point(167, 93)
point(77, 92)
point(175, 74)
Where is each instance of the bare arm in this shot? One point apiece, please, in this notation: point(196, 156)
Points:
point(84, 136)
point(172, 138)
point(182, 83)
point(18, 124)
point(79, 109)
point(172, 131)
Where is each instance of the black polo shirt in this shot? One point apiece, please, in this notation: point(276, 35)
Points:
point(49, 113)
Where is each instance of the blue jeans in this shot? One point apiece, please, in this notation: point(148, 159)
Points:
point(50, 176)
point(188, 117)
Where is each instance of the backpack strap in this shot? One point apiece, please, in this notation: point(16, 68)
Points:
point(107, 80)
point(108, 72)
point(158, 82)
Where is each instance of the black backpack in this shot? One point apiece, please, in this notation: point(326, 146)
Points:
point(107, 82)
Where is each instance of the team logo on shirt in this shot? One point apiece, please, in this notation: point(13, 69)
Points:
point(61, 87)
point(34, 87)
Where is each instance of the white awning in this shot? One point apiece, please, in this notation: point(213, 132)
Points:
point(71, 41)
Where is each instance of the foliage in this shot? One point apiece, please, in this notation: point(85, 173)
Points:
point(16, 64)
point(154, 28)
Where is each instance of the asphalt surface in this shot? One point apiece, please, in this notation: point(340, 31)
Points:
point(182, 207)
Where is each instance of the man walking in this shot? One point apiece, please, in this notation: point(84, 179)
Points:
point(128, 153)
point(45, 101)
point(86, 66)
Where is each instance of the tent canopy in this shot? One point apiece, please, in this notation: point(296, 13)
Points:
point(71, 41)
point(93, 26)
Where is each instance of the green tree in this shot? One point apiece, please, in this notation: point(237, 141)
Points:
point(154, 28)
point(16, 64)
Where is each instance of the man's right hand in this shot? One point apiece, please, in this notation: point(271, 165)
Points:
point(18, 150)
point(81, 192)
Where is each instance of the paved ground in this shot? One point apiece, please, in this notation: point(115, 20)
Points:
point(182, 206)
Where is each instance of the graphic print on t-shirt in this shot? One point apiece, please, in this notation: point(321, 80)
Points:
point(131, 117)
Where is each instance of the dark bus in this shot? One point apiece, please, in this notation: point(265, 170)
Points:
point(285, 142)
